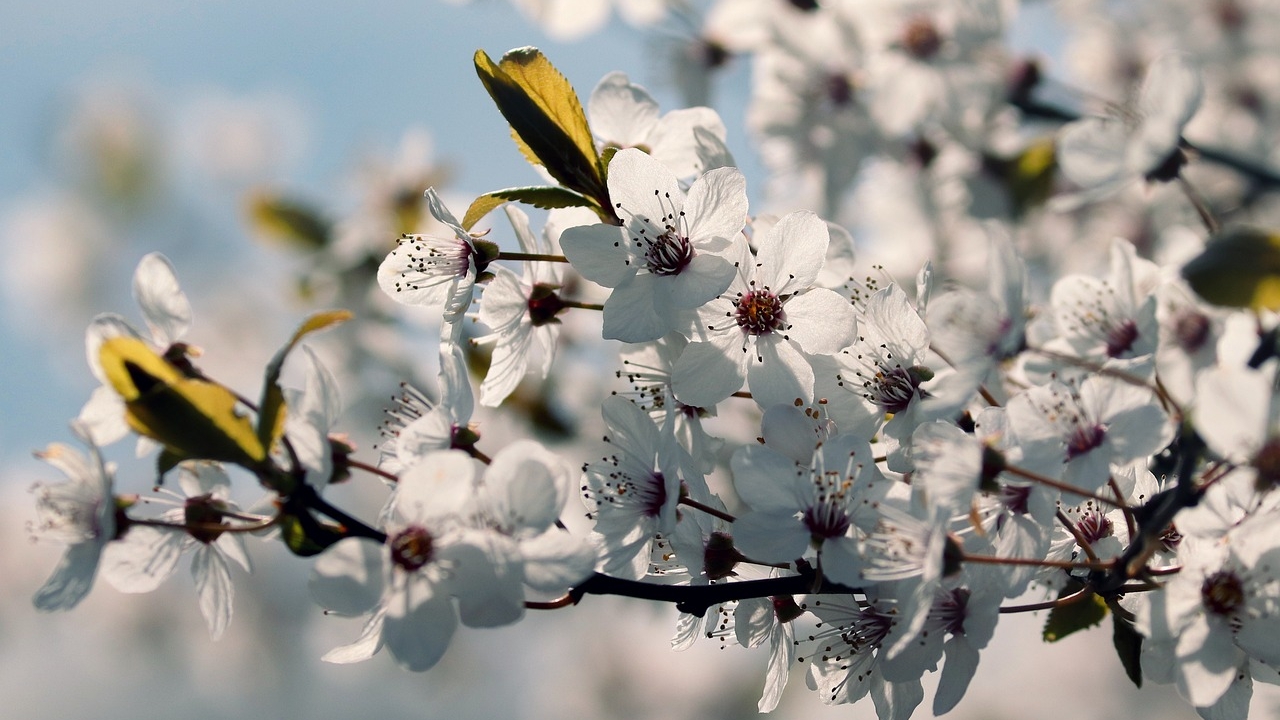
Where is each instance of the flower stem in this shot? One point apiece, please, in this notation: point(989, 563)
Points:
point(1064, 487)
point(1064, 564)
point(690, 502)
point(532, 257)
point(374, 470)
point(581, 305)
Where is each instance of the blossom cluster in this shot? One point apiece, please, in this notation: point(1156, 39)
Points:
point(934, 439)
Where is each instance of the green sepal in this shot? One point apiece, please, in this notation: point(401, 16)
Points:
point(166, 460)
point(1080, 615)
point(271, 410)
point(290, 221)
point(1240, 268)
point(546, 118)
point(305, 536)
point(1128, 644)
point(546, 197)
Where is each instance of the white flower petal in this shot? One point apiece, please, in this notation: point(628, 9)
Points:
point(163, 304)
point(213, 588)
point(347, 578)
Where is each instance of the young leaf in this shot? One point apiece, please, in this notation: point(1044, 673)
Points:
point(1066, 619)
point(271, 413)
point(1240, 267)
point(546, 118)
point(1128, 645)
point(545, 197)
point(192, 418)
point(283, 219)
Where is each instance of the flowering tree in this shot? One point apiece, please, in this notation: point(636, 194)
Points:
point(1031, 415)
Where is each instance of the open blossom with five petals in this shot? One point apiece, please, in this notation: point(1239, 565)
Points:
point(431, 557)
point(669, 255)
point(521, 311)
point(1083, 433)
point(761, 328)
point(80, 512)
point(1216, 615)
point(1103, 154)
point(148, 554)
point(635, 488)
point(436, 272)
point(822, 503)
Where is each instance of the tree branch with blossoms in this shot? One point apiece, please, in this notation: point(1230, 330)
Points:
point(927, 456)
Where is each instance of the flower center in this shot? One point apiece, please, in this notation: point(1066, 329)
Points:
point(1191, 329)
point(412, 548)
point(759, 312)
point(1015, 498)
point(1223, 593)
point(950, 609)
point(544, 304)
point(1267, 464)
point(1094, 526)
point(785, 608)
point(839, 90)
point(203, 510)
point(430, 260)
point(827, 516)
point(1084, 439)
point(668, 254)
point(921, 39)
point(1120, 337)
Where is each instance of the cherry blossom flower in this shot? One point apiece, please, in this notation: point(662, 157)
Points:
point(80, 512)
point(430, 558)
point(1103, 154)
point(765, 324)
point(436, 272)
point(146, 555)
point(1108, 421)
point(417, 427)
point(827, 503)
point(624, 115)
point(521, 311)
point(633, 491)
point(847, 663)
point(1215, 614)
point(669, 256)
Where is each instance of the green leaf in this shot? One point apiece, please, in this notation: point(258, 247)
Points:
point(546, 118)
point(545, 197)
point(305, 536)
point(1128, 644)
point(289, 221)
point(271, 413)
point(1240, 267)
point(1031, 175)
point(192, 418)
point(1067, 619)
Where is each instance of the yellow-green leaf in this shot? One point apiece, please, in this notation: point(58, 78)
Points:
point(289, 221)
point(1067, 619)
point(1031, 175)
point(545, 197)
point(1240, 267)
point(192, 418)
point(546, 117)
point(271, 411)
